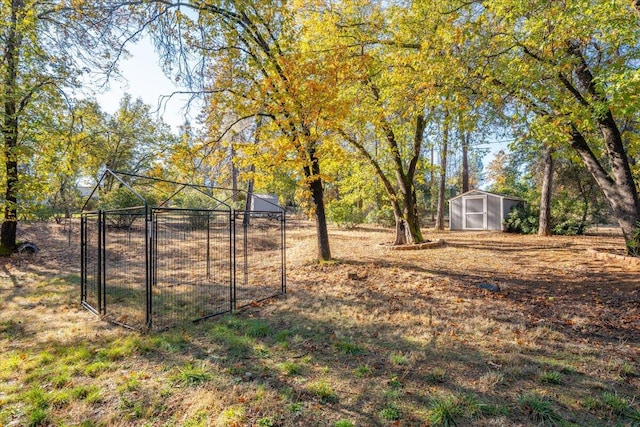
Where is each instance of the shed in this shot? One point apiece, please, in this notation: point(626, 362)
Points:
point(265, 203)
point(480, 210)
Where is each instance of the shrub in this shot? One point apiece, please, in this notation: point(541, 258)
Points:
point(521, 220)
point(568, 215)
point(569, 227)
point(120, 198)
point(344, 214)
point(633, 245)
point(382, 216)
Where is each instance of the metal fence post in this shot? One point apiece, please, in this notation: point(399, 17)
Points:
point(101, 274)
point(232, 256)
point(150, 264)
point(83, 260)
point(283, 246)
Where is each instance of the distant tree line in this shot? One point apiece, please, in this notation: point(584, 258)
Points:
point(355, 111)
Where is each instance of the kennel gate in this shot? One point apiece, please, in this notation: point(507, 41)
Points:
point(152, 268)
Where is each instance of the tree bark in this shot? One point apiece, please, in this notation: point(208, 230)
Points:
point(465, 160)
point(432, 198)
point(408, 230)
point(443, 174)
point(234, 172)
point(544, 227)
point(620, 192)
point(322, 233)
point(403, 235)
point(312, 173)
point(619, 188)
point(10, 127)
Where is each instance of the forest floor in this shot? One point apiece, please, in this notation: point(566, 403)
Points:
point(375, 337)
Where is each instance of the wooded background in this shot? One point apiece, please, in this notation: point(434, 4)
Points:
point(351, 111)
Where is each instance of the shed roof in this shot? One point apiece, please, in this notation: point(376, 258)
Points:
point(504, 196)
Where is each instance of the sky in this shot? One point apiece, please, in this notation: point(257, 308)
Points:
point(143, 78)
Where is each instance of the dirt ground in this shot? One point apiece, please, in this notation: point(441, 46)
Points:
point(549, 281)
point(412, 325)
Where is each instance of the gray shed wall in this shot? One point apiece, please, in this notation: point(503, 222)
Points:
point(494, 217)
point(455, 214)
point(497, 209)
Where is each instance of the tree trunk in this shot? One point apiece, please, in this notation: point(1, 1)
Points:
point(234, 173)
point(432, 198)
point(324, 250)
point(252, 169)
point(619, 188)
point(407, 220)
point(403, 235)
point(465, 161)
point(312, 173)
point(544, 227)
point(620, 191)
point(412, 218)
point(443, 174)
point(411, 223)
point(10, 131)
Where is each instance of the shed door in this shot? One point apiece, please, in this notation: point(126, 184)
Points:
point(475, 213)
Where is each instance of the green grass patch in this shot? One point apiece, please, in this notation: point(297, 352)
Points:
point(398, 359)
point(258, 329)
point(234, 415)
point(267, 422)
point(323, 391)
point(348, 347)
point(61, 379)
point(191, 375)
point(296, 408)
point(394, 382)
point(38, 402)
point(132, 409)
point(362, 371)
point(614, 403)
point(538, 408)
point(550, 377)
point(94, 369)
point(122, 348)
point(436, 375)
point(450, 409)
point(76, 354)
point(445, 411)
point(130, 383)
point(290, 368)
point(390, 412)
point(171, 342)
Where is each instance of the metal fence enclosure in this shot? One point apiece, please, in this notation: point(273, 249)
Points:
point(260, 256)
point(192, 265)
point(153, 267)
point(91, 261)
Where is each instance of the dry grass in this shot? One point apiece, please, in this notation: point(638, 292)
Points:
point(377, 337)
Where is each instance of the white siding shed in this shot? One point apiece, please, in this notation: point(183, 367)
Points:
point(480, 210)
point(265, 203)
